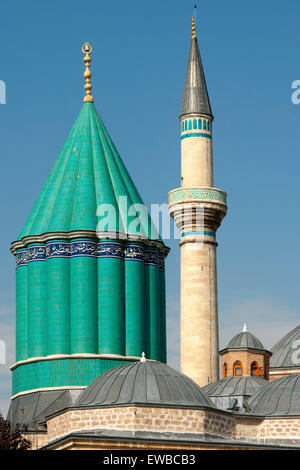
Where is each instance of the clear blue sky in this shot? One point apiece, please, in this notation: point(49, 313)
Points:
point(250, 54)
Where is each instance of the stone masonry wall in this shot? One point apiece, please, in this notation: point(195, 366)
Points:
point(269, 430)
point(276, 377)
point(142, 418)
point(252, 429)
point(38, 440)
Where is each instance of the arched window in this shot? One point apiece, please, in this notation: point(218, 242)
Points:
point(199, 124)
point(254, 368)
point(208, 125)
point(237, 368)
point(195, 124)
point(204, 124)
point(224, 369)
point(190, 124)
point(185, 125)
point(182, 126)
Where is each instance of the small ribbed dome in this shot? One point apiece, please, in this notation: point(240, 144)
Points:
point(244, 340)
point(148, 383)
point(235, 386)
point(283, 350)
point(278, 398)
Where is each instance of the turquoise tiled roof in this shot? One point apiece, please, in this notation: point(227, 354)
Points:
point(88, 172)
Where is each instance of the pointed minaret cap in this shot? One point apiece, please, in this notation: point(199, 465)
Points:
point(195, 98)
point(245, 328)
point(143, 358)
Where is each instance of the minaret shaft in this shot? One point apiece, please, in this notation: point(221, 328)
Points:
point(199, 312)
point(198, 209)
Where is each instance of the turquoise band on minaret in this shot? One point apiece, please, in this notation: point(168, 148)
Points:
point(196, 134)
point(198, 232)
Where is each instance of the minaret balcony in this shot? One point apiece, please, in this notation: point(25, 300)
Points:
point(197, 210)
point(197, 195)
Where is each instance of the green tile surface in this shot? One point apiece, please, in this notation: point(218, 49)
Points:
point(59, 373)
point(88, 172)
point(72, 299)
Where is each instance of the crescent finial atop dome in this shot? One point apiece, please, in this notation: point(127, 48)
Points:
point(87, 50)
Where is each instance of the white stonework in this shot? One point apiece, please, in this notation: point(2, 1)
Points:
point(199, 339)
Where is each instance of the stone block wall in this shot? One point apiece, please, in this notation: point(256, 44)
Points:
point(142, 419)
point(269, 430)
point(38, 439)
point(276, 377)
point(256, 430)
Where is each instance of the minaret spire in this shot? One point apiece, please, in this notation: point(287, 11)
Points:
point(87, 50)
point(195, 98)
point(198, 209)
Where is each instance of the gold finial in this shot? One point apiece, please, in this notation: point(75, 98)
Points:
point(87, 50)
point(194, 24)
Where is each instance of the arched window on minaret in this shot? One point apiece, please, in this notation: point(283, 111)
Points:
point(204, 124)
point(185, 125)
point(195, 124)
point(237, 368)
point(182, 126)
point(208, 125)
point(224, 369)
point(190, 124)
point(199, 124)
point(254, 368)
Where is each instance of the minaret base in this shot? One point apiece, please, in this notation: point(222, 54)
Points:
point(199, 312)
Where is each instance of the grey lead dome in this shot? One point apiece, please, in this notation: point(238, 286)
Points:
point(146, 383)
point(279, 398)
point(283, 350)
point(244, 340)
point(235, 386)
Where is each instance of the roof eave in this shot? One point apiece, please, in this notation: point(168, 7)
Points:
point(259, 351)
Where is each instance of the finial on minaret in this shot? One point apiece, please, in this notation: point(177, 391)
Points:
point(87, 50)
point(143, 358)
point(244, 328)
point(194, 23)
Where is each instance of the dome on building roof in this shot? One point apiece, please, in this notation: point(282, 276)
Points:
point(278, 398)
point(283, 350)
point(244, 340)
point(148, 383)
point(235, 386)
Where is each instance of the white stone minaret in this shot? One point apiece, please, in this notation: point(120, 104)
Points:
point(198, 209)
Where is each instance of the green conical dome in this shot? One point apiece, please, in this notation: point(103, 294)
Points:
point(90, 277)
point(88, 172)
point(89, 296)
